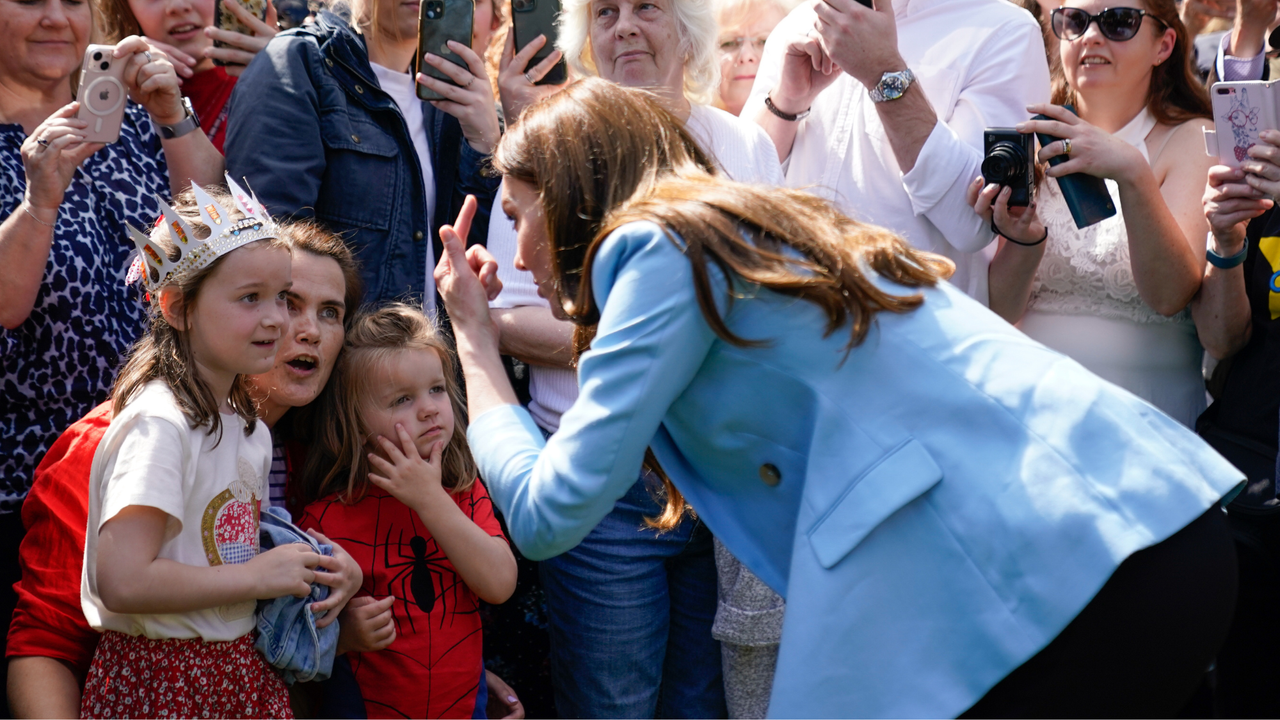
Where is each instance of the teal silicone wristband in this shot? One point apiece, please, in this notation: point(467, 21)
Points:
point(1226, 263)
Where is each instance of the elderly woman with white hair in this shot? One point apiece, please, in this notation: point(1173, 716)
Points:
point(745, 25)
point(630, 609)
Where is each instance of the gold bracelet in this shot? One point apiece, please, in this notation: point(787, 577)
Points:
point(33, 217)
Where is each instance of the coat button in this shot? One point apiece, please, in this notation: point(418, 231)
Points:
point(770, 475)
point(359, 89)
point(328, 62)
point(417, 235)
point(355, 138)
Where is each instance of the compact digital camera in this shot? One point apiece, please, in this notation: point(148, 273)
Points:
point(1009, 161)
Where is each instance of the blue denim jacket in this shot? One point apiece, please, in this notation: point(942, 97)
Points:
point(287, 632)
point(315, 136)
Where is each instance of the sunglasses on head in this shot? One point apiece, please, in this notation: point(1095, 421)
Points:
point(1119, 24)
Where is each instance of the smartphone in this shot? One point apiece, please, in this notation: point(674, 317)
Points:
point(223, 19)
point(1241, 110)
point(440, 21)
point(102, 93)
point(531, 18)
point(1087, 196)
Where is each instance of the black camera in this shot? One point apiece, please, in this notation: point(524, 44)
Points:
point(435, 9)
point(1009, 161)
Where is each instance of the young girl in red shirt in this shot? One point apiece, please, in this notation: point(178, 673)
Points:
point(399, 490)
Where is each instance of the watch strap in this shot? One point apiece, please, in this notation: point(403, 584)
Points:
point(183, 126)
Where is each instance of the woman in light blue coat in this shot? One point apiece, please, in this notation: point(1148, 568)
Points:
point(959, 518)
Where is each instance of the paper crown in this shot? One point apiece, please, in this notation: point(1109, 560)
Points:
point(153, 264)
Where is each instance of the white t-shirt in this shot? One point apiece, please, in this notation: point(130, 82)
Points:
point(402, 89)
point(741, 148)
point(211, 490)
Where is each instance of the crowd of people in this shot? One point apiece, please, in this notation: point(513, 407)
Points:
point(720, 380)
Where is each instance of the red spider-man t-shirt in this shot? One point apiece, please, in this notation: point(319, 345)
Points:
point(432, 669)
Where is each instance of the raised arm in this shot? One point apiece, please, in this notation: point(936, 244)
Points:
point(650, 342)
point(153, 83)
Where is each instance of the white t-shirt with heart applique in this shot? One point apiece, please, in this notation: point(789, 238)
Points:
point(212, 489)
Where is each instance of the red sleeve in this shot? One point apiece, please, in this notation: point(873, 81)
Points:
point(209, 91)
point(48, 620)
point(295, 458)
point(477, 505)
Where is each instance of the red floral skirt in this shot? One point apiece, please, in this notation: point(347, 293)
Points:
point(137, 677)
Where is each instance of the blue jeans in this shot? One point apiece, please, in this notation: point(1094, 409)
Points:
point(630, 612)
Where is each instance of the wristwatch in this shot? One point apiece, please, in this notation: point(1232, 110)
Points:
point(892, 86)
point(183, 126)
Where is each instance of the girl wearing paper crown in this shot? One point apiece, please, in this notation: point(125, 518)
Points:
point(172, 570)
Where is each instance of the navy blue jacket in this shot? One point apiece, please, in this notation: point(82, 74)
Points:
point(315, 136)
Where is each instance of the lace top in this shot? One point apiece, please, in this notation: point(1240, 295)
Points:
point(1088, 272)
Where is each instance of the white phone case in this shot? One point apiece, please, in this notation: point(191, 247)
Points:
point(102, 94)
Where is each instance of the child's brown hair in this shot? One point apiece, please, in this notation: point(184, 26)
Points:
point(164, 353)
point(373, 337)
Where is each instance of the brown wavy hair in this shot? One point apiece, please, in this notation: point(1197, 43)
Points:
point(601, 156)
point(340, 448)
point(1176, 94)
point(165, 353)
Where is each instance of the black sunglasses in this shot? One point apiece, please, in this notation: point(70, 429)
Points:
point(1118, 24)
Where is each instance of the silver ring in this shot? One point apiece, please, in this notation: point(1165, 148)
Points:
point(526, 77)
point(147, 55)
point(1066, 146)
point(42, 142)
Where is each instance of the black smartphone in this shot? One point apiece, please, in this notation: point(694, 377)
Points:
point(1087, 196)
point(531, 18)
point(224, 20)
point(440, 21)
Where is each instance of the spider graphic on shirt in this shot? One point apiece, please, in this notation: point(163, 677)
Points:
point(423, 575)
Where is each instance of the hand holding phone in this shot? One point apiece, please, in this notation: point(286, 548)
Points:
point(440, 21)
point(531, 18)
point(1241, 112)
point(225, 18)
point(102, 93)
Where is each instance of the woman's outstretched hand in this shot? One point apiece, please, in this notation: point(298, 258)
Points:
point(467, 279)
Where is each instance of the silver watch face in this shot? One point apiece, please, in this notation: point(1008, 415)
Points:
point(893, 85)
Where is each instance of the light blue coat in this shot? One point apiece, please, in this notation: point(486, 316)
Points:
point(949, 495)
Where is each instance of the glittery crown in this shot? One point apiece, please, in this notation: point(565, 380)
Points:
point(153, 264)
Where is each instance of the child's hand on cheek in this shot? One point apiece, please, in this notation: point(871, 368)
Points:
point(405, 474)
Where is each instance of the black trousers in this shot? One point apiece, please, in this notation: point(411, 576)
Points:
point(1142, 645)
point(1248, 677)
